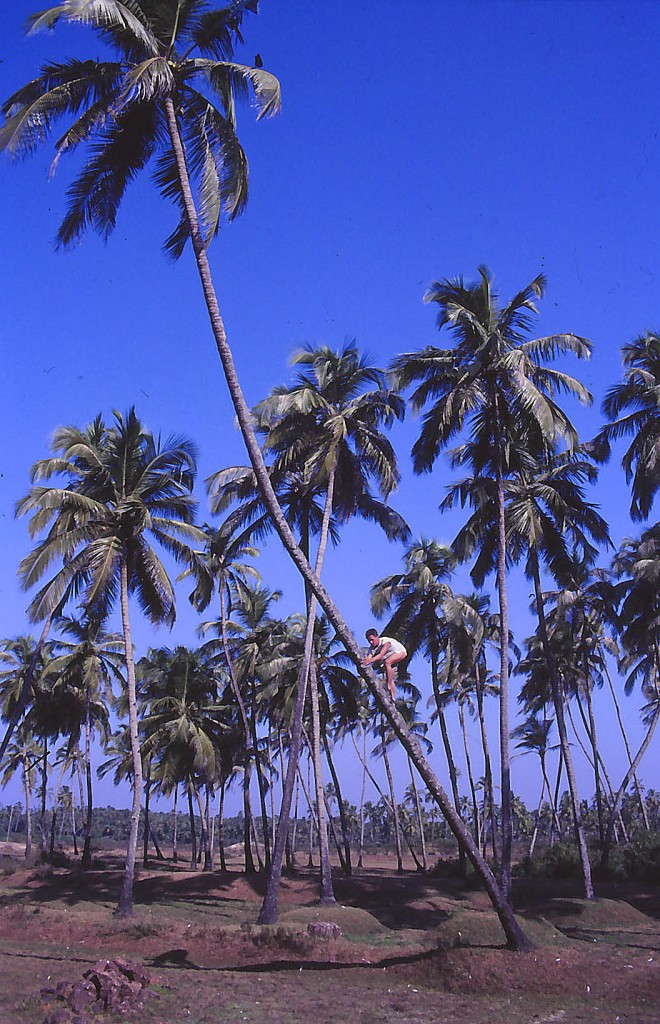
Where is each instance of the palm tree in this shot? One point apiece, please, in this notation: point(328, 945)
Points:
point(632, 407)
point(89, 662)
point(493, 381)
point(220, 565)
point(185, 725)
point(132, 106)
point(533, 736)
point(637, 566)
point(325, 432)
point(122, 487)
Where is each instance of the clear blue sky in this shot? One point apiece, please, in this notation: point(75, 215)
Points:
point(416, 141)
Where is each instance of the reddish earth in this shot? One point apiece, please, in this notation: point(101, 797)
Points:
point(414, 950)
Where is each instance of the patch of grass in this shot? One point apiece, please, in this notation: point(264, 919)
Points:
point(351, 920)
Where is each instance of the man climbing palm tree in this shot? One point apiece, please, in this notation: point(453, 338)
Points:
point(386, 652)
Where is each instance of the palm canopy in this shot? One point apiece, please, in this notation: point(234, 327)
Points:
point(494, 377)
point(547, 515)
point(168, 51)
point(329, 424)
point(633, 407)
point(417, 597)
point(120, 487)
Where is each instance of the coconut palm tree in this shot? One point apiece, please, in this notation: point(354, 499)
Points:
point(89, 661)
point(185, 726)
point(637, 566)
point(632, 408)
point(220, 565)
point(122, 487)
point(131, 107)
point(325, 433)
point(495, 380)
point(533, 737)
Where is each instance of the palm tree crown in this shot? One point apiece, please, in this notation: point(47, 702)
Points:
point(167, 50)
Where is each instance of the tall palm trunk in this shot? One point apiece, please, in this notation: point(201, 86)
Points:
point(640, 795)
point(87, 841)
point(449, 754)
point(505, 755)
point(558, 702)
point(362, 791)
point(28, 797)
point(44, 789)
point(488, 770)
point(175, 823)
point(193, 830)
point(221, 826)
point(345, 832)
point(418, 811)
point(327, 895)
point(269, 911)
point(473, 791)
point(205, 842)
point(260, 776)
point(125, 904)
point(145, 830)
point(516, 938)
point(250, 868)
point(395, 808)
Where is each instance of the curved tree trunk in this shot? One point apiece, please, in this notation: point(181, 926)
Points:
point(516, 939)
point(125, 904)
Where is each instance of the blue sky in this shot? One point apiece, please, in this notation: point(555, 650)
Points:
point(415, 142)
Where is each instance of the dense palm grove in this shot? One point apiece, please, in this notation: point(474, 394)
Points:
point(265, 704)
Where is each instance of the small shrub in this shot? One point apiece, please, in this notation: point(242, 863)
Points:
point(559, 861)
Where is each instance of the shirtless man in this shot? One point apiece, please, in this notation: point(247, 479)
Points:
point(387, 652)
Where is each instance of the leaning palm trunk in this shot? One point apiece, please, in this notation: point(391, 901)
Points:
point(558, 701)
point(516, 939)
point(125, 904)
